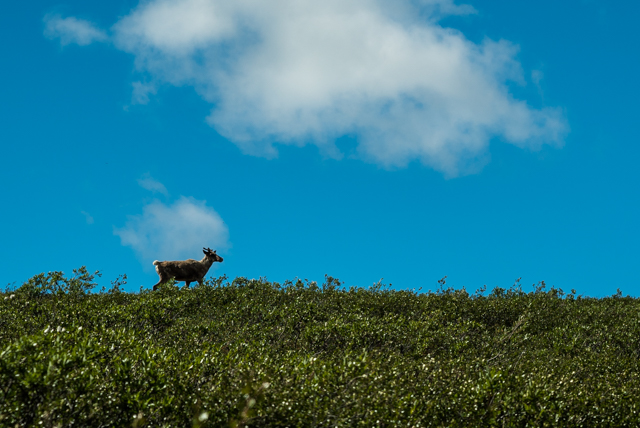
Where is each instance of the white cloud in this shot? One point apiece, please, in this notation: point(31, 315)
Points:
point(308, 72)
point(72, 30)
point(174, 232)
point(149, 183)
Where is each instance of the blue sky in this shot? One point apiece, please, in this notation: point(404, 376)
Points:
point(402, 140)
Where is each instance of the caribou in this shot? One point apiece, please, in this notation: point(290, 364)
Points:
point(186, 270)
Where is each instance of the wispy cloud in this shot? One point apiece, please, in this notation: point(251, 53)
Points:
point(141, 92)
point(447, 7)
point(72, 30)
point(536, 78)
point(149, 183)
point(308, 72)
point(88, 218)
point(174, 231)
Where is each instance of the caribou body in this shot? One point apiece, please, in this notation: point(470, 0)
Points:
point(186, 270)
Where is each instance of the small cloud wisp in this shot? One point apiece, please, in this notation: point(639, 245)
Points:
point(88, 218)
point(149, 183)
point(72, 30)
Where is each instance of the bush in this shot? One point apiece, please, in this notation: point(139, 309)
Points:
point(255, 353)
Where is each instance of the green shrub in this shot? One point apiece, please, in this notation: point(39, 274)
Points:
point(255, 353)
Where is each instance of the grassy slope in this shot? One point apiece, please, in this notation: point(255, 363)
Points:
point(256, 353)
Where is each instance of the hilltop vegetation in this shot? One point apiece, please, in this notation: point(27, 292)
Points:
point(261, 354)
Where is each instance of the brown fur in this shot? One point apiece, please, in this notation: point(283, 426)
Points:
point(186, 270)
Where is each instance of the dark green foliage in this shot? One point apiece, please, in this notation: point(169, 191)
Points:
point(254, 353)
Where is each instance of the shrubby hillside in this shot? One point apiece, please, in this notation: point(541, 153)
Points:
point(260, 354)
